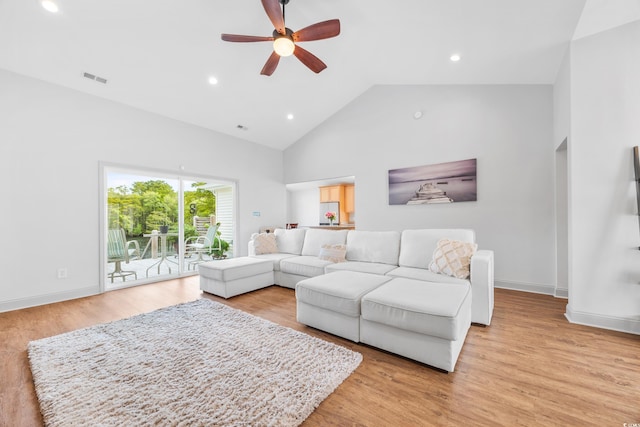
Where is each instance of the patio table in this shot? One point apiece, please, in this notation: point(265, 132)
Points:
point(163, 251)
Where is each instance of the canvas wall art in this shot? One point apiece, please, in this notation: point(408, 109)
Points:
point(439, 183)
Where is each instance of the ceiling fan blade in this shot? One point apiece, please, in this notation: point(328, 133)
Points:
point(272, 7)
point(241, 38)
point(309, 59)
point(271, 64)
point(319, 31)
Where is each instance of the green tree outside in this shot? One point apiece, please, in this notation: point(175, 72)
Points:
point(147, 205)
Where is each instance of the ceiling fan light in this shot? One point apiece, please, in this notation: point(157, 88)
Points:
point(283, 46)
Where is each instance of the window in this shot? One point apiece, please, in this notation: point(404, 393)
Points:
point(156, 225)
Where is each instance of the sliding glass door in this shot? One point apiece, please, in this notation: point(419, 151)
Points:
point(158, 226)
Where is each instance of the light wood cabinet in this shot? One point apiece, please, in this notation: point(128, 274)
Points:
point(331, 193)
point(349, 199)
point(343, 194)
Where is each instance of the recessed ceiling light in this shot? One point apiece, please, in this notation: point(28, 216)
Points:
point(290, 116)
point(49, 6)
point(455, 57)
point(213, 80)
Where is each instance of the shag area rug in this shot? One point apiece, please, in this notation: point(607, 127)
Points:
point(200, 363)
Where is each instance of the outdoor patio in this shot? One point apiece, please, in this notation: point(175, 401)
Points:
point(157, 266)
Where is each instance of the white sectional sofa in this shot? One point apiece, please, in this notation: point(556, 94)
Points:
point(382, 287)
point(404, 254)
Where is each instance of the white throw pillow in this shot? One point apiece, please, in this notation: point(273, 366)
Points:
point(265, 243)
point(453, 258)
point(333, 253)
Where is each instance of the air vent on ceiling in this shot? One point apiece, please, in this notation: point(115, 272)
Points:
point(96, 78)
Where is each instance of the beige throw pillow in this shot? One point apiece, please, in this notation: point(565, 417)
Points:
point(453, 258)
point(265, 243)
point(333, 253)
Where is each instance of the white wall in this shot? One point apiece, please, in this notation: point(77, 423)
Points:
point(562, 222)
point(509, 129)
point(304, 207)
point(562, 102)
point(562, 146)
point(604, 288)
point(51, 142)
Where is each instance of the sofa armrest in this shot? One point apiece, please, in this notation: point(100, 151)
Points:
point(482, 287)
point(251, 246)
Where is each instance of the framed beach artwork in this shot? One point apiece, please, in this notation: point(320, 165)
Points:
point(430, 184)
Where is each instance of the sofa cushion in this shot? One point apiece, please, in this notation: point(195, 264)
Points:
point(417, 246)
point(333, 253)
point(290, 241)
point(309, 266)
point(315, 238)
point(373, 246)
point(453, 258)
point(423, 307)
point(275, 258)
point(226, 270)
point(264, 243)
point(425, 275)
point(363, 267)
point(340, 291)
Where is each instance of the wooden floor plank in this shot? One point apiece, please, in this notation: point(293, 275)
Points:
point(529, 368)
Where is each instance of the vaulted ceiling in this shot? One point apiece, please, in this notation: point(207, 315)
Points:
point(159, 55)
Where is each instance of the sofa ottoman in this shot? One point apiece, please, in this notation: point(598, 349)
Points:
point(424, 321)
point(234, 276)
point(331, 302)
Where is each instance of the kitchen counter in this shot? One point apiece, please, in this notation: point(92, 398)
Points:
point(334, 227)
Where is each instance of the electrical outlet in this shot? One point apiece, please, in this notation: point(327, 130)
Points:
point(62, 273)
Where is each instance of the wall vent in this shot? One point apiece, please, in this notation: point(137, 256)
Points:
point(96, 78)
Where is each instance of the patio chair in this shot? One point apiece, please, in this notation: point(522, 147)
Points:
point(118, 251)
point(202, 244)
point(134, 252)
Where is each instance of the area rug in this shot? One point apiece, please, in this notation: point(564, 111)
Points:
point(200, 363)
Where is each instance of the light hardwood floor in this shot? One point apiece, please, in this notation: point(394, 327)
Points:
point(529, 368)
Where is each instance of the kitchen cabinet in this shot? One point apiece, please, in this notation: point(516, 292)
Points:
point(349, 199)
point(344, 195)
point(331, 193)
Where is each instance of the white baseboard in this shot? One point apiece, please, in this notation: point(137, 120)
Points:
point(17, 304)
point(535, 288)
point(562, 293)
point(620, 324)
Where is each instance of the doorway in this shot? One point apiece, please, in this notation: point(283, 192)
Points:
point(154, 224)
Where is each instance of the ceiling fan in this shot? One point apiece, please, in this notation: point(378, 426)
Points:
point(284, 40)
